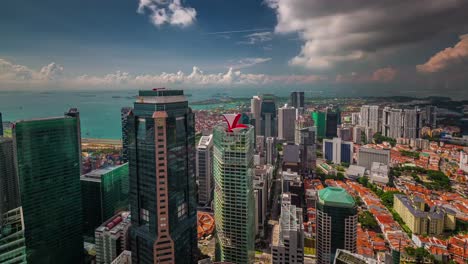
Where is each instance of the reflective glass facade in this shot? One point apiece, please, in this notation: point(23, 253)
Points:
point(104, 193)
point(161, 144)
point(12, 245)
point(233, 197)
point(320, 123)
point(48, 165)
point(9, 195)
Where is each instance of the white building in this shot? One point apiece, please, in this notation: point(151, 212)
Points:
point(366, 156)
point(255, 109)
point(354, 172)
point(369, 117)
point(270, 151)
point(338, 151)
point(286, 123)
point(379, 173)
point(288, 235)
point(204, 169)
point(111, 238)
point(463, 161)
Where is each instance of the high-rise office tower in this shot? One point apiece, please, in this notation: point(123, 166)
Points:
point(333, 119)
point(337, 150)
point(308, 149)
point(288, 236)
point(255, 109)
point(234, 198)
point(370, 117)
point(205, 169)
point(9, 192)
point(48, 167)
point(320, 122)
point(270, 154)
point(302, 121)
point(297, 100)
point(268, 116)
point(124, 117)
point(1, 125)
point(355, 118)
point(286, 123)
point(392, 122)
point(336, 223)
point(104, 192)
point(161, 131)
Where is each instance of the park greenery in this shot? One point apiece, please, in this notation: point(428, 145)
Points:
point(379, 139)
point(436, 180)
point(367, 220)
point(411, 154)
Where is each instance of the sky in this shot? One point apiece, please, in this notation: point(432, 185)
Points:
point(365, 45)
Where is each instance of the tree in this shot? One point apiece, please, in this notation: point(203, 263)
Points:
point(340, 176)
point(367, 220)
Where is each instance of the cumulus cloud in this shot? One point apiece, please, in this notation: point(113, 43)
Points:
point(16, 73)
point(447, 58)
point(22, 76)
point(249, 62)
point(167, 12)
point(382, 75)
point(257, 37)
point(335, 31)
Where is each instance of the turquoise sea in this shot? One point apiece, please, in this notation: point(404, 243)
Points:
point(99, 110)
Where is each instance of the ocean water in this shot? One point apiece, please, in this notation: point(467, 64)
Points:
point(99, 110)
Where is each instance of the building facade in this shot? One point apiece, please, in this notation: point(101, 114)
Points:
point(268, 116)
point(369, 117)
point(124, 120)
point(234, 194)
point(1, 125)
point(297, 100)
point(320, 122)
point(48, 165)
point(286, 123)
point(288, 236)
point(104, 192)
point(162, 178)
point(333, 120)
point(112, 238)
point(9, 192)
point(204, 173)
point(367, 156)
point(337, 150)
point(336, 223)
point(12, 243)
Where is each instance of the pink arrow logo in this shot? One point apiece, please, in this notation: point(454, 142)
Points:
point(232, 121)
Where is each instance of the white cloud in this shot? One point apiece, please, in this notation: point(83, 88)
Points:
point(249, 62)
point(447, 58)
point(382, 75)
point(167, 12)
point(18, 76)
point(335, 31)
point(258, 37)
point(18, 73)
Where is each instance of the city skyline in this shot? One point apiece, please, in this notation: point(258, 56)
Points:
point(277, 43)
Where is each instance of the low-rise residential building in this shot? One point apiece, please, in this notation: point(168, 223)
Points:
point(354, 172)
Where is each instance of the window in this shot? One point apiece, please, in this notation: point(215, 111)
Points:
point(144, 215)
point(182, 210)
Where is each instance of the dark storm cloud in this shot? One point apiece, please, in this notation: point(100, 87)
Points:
point(339, 31)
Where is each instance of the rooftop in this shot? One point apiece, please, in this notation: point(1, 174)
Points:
point(335, 196)
point(95, 175)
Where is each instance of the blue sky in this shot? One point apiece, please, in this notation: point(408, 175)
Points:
point(300, 43)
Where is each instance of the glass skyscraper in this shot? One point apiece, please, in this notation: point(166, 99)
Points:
point(161, 144)
point(269, 122)
point(48, 165)
point(234, 199)
point(336, 223)
point(9, 195)
point(104, 193)
point(320, 122)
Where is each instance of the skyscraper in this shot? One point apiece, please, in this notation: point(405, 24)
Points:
point(112, 237)
point(1, 125)
point(297, 100)
point(336, 223)
point(370, 117)
point(268, 116)
point(320, 122)
point(412, 123)
point(161, 136)
point(234, 197)
point(124, 119)
point(392, 122)
point(104, 193)
point(286, 123)
point(12, 244)
point(255, 109)
point(430, 116)
point(333, 119)
point(270, 152)
point(9, 192)
point(308, 149)
point(205, 170)
point(48, 166)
